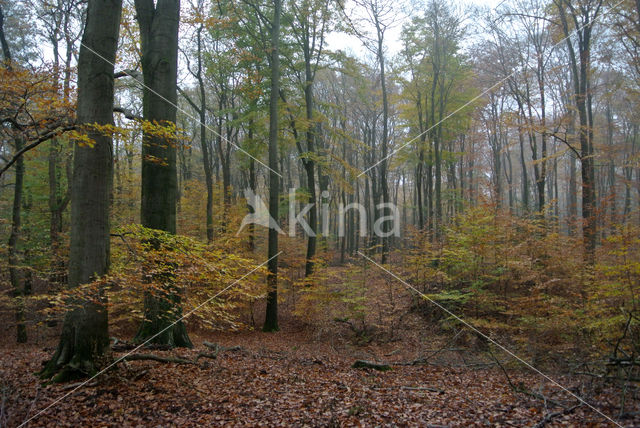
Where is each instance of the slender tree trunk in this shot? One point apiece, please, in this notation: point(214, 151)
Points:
point(580, 69)
point(523, 168)
point(252, 180)
point(14, 259)
point(271, 314)
point(384, 187)
point(204, 145)
point(309, 163)
point(14, 272)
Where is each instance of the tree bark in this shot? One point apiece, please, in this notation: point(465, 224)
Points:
point(14, 260)
point(159, 44)
point(84, 341)
point(204, 145)
point(580, 62)
point(271, 314)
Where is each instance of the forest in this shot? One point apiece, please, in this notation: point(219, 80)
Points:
point(320, 213)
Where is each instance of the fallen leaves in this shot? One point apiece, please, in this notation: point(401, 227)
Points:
point(278, 380)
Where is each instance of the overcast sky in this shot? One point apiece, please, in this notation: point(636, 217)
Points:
point(353, 46)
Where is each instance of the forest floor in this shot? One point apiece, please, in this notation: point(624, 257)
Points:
point(291, 378)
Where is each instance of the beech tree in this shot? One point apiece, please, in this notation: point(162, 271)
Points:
point(271, 314)
point(84, 342)
point(311, 19)
point(61, 19)
point(19, 291)
point(580, 19)
point(158, 24)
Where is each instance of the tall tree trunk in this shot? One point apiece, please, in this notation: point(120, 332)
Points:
point(541, 179)
point(6, 51)
point(309, 162)
point(420, 166)
point(580, 64)
point(523, 168)
point(271, 314)
point(204, 145)
point(252, 179)
point(84, 341)
point(384, 186)
point(14, 259)
point(14, 272)
point(159, 44)
point(57, 201)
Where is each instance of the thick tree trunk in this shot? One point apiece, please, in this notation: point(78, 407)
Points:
point(159, 43)
point(84, 342)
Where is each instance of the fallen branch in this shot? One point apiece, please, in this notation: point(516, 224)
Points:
point(139, 375)
point(139, 357)
point(392, 353)
point(622, 362)
point(549, 416)
point(362, 364)
point(608, 378)
point(423, 388)
point(206, 355)
point(123, 345)
point(77, 384)
point(425, 360)
point(217, 348)
point(177, 360)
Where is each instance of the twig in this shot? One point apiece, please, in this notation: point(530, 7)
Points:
point(392, 353)
point(425, 360)
point(33, 404)
point(521, 390)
